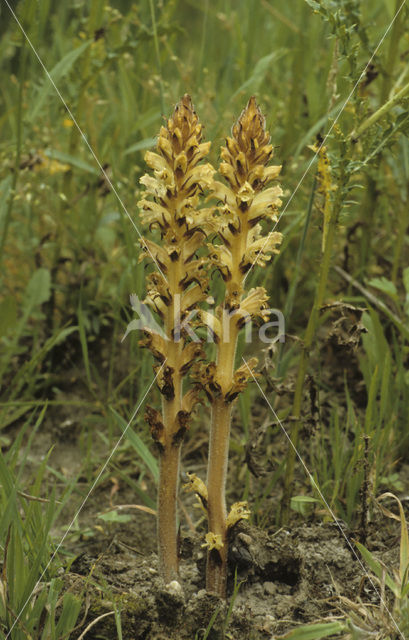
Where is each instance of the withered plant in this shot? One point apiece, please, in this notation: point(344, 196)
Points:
point(245, 201)
point(178, 284)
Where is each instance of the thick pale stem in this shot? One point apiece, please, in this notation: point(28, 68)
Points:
point(170, 456)
point(216, 572)
point(167, 513)
point(171, 204)
point(244, 160)
point(216, 484)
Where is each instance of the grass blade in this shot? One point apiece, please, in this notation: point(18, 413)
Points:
point(315, 631)
point(57, 73)
point(139, 446)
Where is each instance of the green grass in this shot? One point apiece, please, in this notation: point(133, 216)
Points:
point(69, 250)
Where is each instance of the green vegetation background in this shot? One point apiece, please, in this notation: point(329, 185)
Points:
point(69, 244)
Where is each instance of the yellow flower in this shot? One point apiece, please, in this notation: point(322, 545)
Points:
point(196, 484)
point(239, 511)
point(49, 164)
point(213, 541)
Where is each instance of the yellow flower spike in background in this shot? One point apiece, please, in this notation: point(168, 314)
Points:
point(324, 190)
point(50, 165)
point(171, 207)
point(245, 201)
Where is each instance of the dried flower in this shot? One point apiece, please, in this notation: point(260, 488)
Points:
point(239, 511)
point(213, 541)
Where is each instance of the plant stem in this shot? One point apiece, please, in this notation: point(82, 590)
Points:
point(216, 573)
point(167, 512)
point(170, 455)
point(403, 219)
point(382, 111)
point(244, 166)
point(19, 130)
point(219, 439)
point(393, 51)
point(169, 479)
point(305, 354)
point(369, 210)
point(157, 52)
point(401, 325)
point(175, 190)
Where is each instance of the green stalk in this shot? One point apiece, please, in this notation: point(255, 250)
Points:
point(399, 324)
point(157, 52)
point(294, 106)
point(369, 211)
point(403, 221)
point(19, 130)
point(382, 111)
point(312, 326)
point(393, 50)
point(288, 308)
point(94, 22)
point(203, 41)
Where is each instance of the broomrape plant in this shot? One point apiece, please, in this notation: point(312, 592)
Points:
point(234, 225)
point(172, 292)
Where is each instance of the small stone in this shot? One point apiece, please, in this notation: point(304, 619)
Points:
point(245, 539)
point(257, 588)
point(174, 588)
point(268, 624)
point(269, 588)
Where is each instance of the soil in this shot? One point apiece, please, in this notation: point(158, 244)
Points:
point(284, 579)
point(278, 578)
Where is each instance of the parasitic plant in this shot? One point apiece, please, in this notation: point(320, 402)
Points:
point(245, 201)
point(246, 198)
point(170, 206)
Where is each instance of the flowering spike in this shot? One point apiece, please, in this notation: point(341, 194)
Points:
point(171, 205)
point(247, 200)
